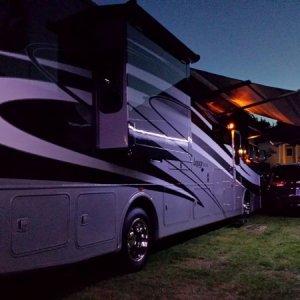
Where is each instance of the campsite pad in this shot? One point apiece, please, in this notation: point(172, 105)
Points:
point(258, 228)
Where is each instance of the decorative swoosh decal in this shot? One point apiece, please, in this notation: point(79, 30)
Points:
point(15, 138)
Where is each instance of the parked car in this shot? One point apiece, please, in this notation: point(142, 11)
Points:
point(283, 189)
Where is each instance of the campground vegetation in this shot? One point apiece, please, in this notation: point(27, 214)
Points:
point(260, 260)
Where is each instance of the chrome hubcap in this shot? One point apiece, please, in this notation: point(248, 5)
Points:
point(138, 239)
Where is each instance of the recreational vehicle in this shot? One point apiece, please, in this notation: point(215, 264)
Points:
point(101, 149)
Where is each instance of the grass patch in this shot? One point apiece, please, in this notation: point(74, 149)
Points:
point(252, 262)
point(258, 261)
point(229, 263)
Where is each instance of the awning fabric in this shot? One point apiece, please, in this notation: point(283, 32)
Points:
point(224, 95)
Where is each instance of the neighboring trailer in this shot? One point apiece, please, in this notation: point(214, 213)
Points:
point(100, 148)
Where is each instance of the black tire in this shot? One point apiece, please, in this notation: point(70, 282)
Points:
point(136, 240)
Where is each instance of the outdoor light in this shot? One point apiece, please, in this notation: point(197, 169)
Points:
point(247, 160)
point(253, 137)
point(241, 151)
point(231, 126)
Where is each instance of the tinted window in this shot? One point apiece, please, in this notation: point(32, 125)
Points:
point(158, 105)
point(55, 121)
point(12, 25)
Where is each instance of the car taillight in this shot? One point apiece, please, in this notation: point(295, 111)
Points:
point(279, 183)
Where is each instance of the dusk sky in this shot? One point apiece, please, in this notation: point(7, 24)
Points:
point(257, 40)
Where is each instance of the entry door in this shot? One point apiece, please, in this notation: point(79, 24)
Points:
point(225, 190)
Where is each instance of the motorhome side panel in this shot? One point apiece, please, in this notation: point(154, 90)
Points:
point(97, 148)
point(48, 224)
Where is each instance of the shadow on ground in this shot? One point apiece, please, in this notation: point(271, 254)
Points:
point(58, 282)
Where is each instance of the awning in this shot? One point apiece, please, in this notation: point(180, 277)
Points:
point(224, 95)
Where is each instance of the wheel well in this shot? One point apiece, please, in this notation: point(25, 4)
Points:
point(148, 207)
point(248, 201)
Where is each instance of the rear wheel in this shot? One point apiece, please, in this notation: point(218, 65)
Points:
point(136, 239)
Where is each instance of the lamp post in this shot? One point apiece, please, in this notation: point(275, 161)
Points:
point(231, 127)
